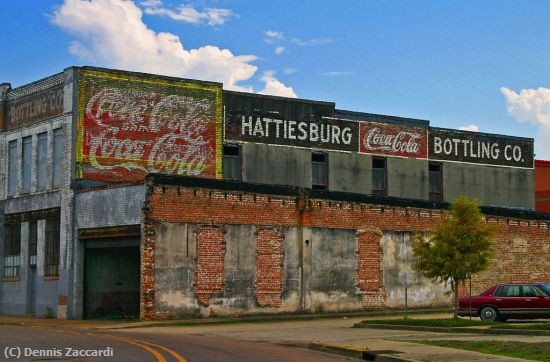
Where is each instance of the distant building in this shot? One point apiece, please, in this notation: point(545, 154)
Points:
point(542, 186)
point(131, 193)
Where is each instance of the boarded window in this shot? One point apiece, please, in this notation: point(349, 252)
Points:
point(33, 241)
point(12, 250)
point(379, 176)
point(12, 168)
point(231, 162)
point(436, 182)
point(27, 165)
point(42, 161)
point(57, 157)
point(51, 257)
point(319, 171)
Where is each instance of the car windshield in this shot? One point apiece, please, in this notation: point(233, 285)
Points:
point(545, 288)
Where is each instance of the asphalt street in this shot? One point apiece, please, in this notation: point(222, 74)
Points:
point(26, 343)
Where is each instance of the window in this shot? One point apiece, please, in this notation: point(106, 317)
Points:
point(12, 168)
point(42, 161)
point(508, 291)
point(319, 171)
point(436, 182)
point(51, 258)
point(33, 241)
point(27, 165)
point(57, 157)
point(231, 162)
point(530, 291)
point(12, 251)
point(379, 176)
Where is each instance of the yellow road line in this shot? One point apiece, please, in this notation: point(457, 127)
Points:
point(166, 349)
point(158, 356)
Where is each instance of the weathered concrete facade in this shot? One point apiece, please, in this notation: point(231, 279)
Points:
point(75, 149)
point(221, 248)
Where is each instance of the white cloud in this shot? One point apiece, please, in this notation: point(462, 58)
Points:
point(470, 127)
point(311, 42)
point(336, 74)
point(112, 33)
point(274, 87)
point(532, 106)
point(289, 70)
point(188, 14)
point(273, 36)
point(279, 50)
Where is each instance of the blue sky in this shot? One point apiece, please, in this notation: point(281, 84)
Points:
point(481, 63)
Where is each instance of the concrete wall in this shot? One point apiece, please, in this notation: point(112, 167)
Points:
point(322, 260)
point(276, 165)
point(499, 186)
point(408, 178)
point(350, 172)
point(396, 247)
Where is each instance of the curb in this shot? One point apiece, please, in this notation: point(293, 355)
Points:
point(512, 332)
point(358, 353)
point(267, 318)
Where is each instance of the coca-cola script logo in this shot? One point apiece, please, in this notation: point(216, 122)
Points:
point(392, 140)
point(129, 133)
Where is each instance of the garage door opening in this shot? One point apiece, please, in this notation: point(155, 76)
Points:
point(111, 289)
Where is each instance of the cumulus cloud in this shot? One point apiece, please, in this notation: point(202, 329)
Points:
point(279, 50)
point(273, 36)
point(311, 42)
point(470, 127)
point(112, 33)
point(274, 87)
point(531, 106)
point(188, 14)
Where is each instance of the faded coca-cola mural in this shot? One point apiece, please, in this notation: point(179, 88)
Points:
point(130, 126)
point(394, 140)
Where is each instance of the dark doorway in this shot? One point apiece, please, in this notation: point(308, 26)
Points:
point(112, 278)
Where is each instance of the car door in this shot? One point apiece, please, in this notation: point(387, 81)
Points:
point(532, 304)
point(508, 300)
point(543, 300)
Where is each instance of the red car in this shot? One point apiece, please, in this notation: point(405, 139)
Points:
point(506, 301)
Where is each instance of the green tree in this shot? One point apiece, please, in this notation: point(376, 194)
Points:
point(459, 245)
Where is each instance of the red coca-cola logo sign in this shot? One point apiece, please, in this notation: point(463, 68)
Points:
point(130, 132)
point(386, 139)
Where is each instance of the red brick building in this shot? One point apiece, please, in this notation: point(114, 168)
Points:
point(542, 186)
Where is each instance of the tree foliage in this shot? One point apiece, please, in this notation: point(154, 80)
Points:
point(458, 246)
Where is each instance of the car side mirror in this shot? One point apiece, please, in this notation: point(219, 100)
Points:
point(540, 296)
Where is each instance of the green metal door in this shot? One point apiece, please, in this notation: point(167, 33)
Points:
point(112, 281)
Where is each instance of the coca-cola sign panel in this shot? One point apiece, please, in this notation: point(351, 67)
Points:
point(131, 125)
point(393, 140)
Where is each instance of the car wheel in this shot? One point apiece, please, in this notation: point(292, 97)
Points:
point(488, 314)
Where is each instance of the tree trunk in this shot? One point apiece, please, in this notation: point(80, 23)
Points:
point(455, 292)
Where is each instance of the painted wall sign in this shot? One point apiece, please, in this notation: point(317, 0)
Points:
point(321, 133)
point(129, 126)
point(487, 149)
point(394, 140)
point(35, 107)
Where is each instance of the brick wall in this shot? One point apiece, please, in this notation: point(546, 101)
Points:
point(522, 246)
point(269, 266)
point(210, 262)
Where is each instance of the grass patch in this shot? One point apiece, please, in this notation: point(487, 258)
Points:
point(535, 326)
point(442, 322)
point(532, 351)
